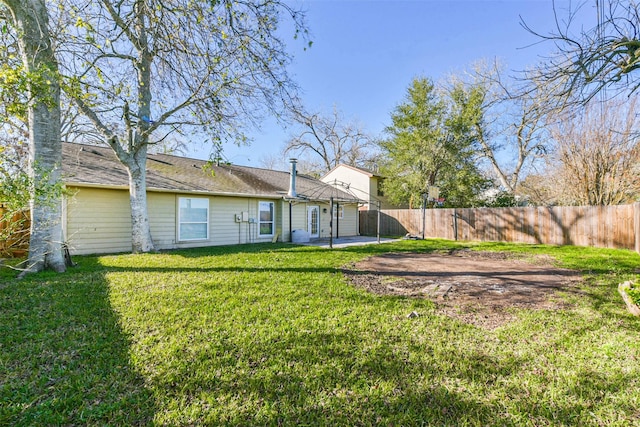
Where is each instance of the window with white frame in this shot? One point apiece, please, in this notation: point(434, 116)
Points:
point(381, 187)
point(338, 211)
point(193, 218)
point(266, 216)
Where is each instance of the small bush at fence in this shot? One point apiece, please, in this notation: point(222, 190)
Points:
point(14, 233)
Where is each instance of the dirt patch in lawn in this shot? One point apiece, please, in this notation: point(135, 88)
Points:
point(477, 287)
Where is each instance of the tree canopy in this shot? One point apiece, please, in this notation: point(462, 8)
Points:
point(595, 157)
point(431, 143)
point(511, 127)
point(35, 79)
point(329, 140)
point(590, 58)
point(142, 71)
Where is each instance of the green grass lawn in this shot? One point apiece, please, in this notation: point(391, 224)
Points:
point(274, 335)
point(634, 293)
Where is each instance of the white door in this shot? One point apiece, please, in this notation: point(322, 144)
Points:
point(313, 221)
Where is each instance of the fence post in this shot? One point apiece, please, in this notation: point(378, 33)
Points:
point(378, 222)
point(424, 213)
point(455, 224)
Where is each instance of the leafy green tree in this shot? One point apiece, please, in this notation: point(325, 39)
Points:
point(142, 71)
point(431, 143)
point(501, 199)
point(36, 78)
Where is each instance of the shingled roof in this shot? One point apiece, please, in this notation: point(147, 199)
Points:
point(87, 165)
point(366, 171)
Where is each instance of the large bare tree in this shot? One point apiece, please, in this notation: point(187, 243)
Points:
point(30, 20)
point(140, 71)
point(511, 129)
point(596, 156)
point(329, 140)
point(590, 57)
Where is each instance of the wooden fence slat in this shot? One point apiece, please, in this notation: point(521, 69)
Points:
point(601, 226)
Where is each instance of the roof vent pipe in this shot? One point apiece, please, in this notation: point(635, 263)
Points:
point(292, 179)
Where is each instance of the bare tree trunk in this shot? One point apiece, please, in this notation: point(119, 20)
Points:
point(141, 237)
point(31, 20)
point(489, 154)
point(140, 227)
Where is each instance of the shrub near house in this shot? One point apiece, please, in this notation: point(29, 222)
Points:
point(14, 232)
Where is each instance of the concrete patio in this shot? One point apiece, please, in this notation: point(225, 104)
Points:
point(343, 242)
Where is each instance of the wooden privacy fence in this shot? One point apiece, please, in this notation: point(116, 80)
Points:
point(14, 233)
point(600, 226)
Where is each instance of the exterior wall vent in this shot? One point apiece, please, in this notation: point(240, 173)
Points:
point(292, 179)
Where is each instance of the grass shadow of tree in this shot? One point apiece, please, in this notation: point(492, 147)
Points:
point(65, 359)
point(329, 378)
point(257, 361)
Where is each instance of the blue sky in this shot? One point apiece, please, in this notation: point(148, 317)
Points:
point(366, 52)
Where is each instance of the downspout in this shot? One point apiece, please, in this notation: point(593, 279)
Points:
point(337, 220)
point(331, 222)
point(290, 223)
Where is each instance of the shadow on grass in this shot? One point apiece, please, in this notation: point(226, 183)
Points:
point(311, 259)
point(370, 249)
point(330, 378)
point(597, 261)
point(64, 359)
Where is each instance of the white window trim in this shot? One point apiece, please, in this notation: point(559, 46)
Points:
point(272, 222)
point(338, 209)
point(180, 238)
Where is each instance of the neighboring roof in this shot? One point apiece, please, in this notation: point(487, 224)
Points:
point(88, 165)
point(364, 171)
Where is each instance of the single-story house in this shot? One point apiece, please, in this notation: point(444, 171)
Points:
point(365, 184)
point(193, 203)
